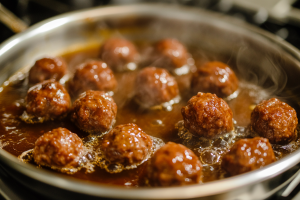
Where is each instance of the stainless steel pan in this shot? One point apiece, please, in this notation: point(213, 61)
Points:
point(259, 57)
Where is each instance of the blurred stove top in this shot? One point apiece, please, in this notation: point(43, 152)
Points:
point(280, 17)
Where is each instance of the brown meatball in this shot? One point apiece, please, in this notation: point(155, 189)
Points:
point(215, 77)
point(174, 164)
point(58, 148)
point(275, 120)
point(247, 155)
point(47, 68)
point(47, 100)
point(94, 112)
point(207, 115)
point(155, 86)
point(170, 54)
point(126, 144)
point(93, 75)
point(119, 54)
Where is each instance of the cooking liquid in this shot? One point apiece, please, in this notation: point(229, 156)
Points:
point(17, 137)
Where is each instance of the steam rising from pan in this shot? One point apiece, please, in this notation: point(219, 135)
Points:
point(254, 59)
point(261, 70)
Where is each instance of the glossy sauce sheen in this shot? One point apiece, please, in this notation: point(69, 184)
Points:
point(16, 136)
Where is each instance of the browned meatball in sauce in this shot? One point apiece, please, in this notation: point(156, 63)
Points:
point(94, 112)
point(47, 68)
point(275, 120)
point(247, 155)
point(206, 115)
point(58, 148)
point(126, 144)
point(47, 100)
point(119, 54)
point(155, 86)
point(216, 78)
point(173, 165)
point(169, 54)
point(92, 75)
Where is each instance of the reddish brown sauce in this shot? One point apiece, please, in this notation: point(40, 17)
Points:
point(16, 136)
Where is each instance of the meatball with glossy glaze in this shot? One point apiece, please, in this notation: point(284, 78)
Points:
point(216, 78)
point(155, 86)
point(94, 112)
point(92, 75)
point(58, 148)
point(126, 144)
point(247, 155)
point(170, 54)
point(47, 100)
point(275, 120)
point(173, 165)
point(47, 68)
point(206, 115)
point(120, 54)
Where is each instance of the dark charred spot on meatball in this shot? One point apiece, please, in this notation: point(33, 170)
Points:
point(119, 54)
point(247, 155)
point(47, 68)
point(126, 144)
point(94, 112)
point(155, 86)
point(173, 165)
point(275, 120)
point(206, 115)
point(92, 75)
point(169, 54)
point(45, 101)
point(216, 78)
point(58, 148)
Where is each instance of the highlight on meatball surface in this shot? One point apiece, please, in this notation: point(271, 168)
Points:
point(173, 165)
point(45, 101)
point(120, 54)
point(58, 148)
point(126, 144)
point(216, 78)
point(170, 54)
point(247, 155)
point(94, 112)
point(275, 120)
point(155, 86)
point(47, 68)
point(92, 75)
point(206, 115)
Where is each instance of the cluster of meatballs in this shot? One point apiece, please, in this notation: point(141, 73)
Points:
point(94, 111)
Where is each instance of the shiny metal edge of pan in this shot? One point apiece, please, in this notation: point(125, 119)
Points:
point(225, 189)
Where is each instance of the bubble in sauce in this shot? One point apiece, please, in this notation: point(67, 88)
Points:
point(93, 156)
